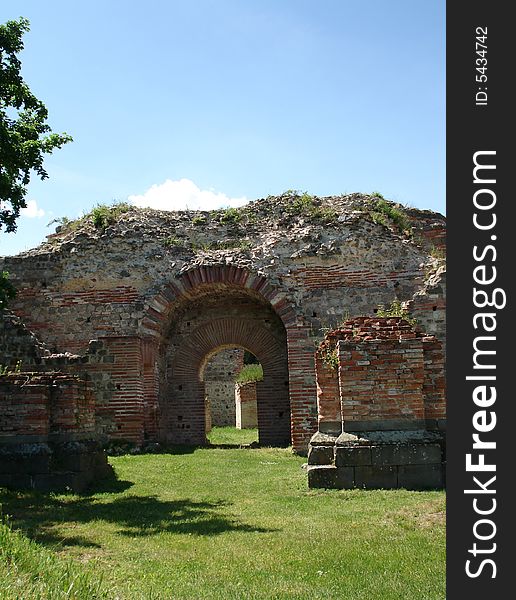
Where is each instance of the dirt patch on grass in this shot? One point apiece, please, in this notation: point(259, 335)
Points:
point(424, 516)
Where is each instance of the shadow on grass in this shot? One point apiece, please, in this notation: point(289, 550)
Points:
point(41, 515)
point(108, 485)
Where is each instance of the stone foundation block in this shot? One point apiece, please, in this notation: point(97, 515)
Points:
point(320, 455)
point(53, 467)
point(421, 477)
point(406, 454)
point(376, 477)
point(352, 456)
point(330, 477)
point(24, 464)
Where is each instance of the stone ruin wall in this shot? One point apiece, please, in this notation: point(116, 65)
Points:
point(160, 300)
point(219, 386)
point(382, 407)
point(50, 408)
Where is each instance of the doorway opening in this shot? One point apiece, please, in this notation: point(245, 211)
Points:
point(245, 330)
point(230, 378)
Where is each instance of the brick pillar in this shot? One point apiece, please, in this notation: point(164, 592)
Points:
point(150, 388)
point(434, 385)
point(328, 397)
point(127, 401)
point(302, 387)
point(186, 414)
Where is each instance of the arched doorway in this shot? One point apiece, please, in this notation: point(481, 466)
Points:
point(215, 306)
point(214, 320)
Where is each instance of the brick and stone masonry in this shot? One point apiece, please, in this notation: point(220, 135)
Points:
point(160, 293)
point(47, 432)
point(246, 405)
point(219, 385)
point(382, 409)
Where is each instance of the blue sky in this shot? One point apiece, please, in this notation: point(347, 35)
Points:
point(204, 103)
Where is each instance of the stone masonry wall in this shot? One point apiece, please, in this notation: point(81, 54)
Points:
point(47, 432)
point(302, 265)
point(219, 385)
point(382, 407)
point(428, 305)
point(385, 370)
point(19, 347)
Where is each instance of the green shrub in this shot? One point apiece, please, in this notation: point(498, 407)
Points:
point(199, 220)
point(172, 241)
point(305, 205)
point(104, 215)
point(330, 358)
point(300, 204)
point(251, 372)
point(437, 253)
point(9, 370)
point(230, 216)
point(385, 213)
point(64, 222)
point(324, 214)
point(396, 309)
point(204, 246)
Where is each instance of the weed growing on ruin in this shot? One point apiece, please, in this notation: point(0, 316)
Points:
point(172, 242)
point(396, 309)
point(383, 212)
point(324, 214)
point(252, 372)
point(64, 222)
point(437, 253)
point(104, 215)
point(330, 358)
point(200, 246)
point(299, 204)
point(10, 370)
point(230, 216)
point(396, 215)
point(199, 220)
point(307, 205)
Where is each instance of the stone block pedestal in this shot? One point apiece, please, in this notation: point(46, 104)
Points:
point(59, 467)
point(412, 460)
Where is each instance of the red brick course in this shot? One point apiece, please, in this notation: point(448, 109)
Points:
point(379, 369)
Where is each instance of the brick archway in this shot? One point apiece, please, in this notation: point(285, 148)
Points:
point(185, 417)
point(293, 381)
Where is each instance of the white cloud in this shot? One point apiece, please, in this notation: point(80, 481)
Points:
point(183, 194)
point(32, 211)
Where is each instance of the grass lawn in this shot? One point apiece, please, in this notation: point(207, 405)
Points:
point(225, 524)
point(231, 436)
